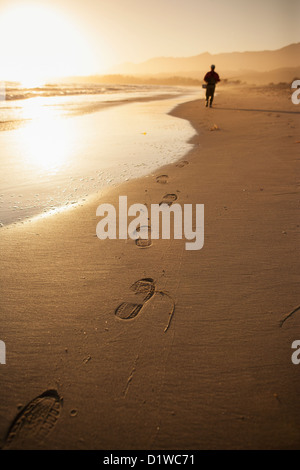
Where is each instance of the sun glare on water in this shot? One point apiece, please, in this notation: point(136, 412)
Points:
point(46, 143)
point(39, 43)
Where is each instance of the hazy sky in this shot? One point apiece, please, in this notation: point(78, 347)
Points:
point(102, 33)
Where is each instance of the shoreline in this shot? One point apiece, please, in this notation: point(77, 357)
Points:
point(221, 376)
point(91, 152)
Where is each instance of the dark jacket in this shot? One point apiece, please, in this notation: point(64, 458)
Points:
point(211, 78)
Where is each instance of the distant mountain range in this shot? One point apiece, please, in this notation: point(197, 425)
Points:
point(232, 64)
point(262, 67)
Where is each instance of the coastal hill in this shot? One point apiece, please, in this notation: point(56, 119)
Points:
point(233, 62)
point(261, 67)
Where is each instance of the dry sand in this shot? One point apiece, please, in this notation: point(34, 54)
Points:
point(221, 377)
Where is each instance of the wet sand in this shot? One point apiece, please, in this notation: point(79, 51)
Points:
point(55, 160)
point(221, 376)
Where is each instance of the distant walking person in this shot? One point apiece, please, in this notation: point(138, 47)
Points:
point(211, 78)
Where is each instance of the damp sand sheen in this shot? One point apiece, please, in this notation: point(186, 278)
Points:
point(60, 155)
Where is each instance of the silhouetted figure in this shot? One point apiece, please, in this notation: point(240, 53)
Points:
point(211, 78)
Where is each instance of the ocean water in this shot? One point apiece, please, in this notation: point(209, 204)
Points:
point(59, 145)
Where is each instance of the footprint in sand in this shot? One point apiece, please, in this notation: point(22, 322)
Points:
point(162, 179)
point(182, 164)
point(144, 242)
point(127, 310)
point(35, 420)
point(168, 199)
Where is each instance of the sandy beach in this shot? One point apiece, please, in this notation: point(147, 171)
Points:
point(221, 376)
